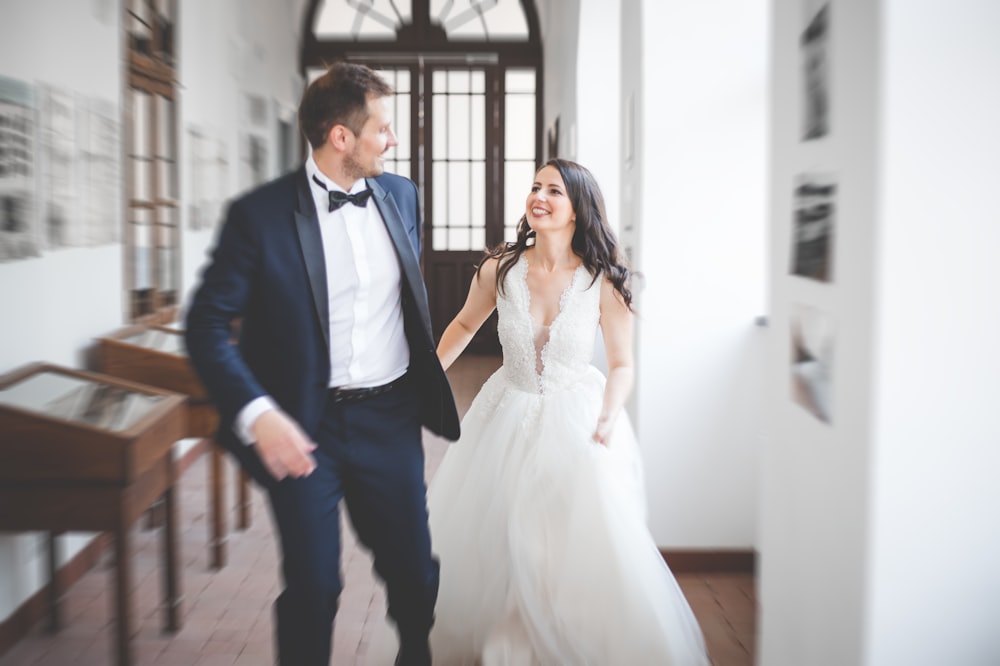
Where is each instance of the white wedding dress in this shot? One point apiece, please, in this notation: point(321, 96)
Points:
point(546, 559)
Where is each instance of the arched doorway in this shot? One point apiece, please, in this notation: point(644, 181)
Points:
point(468, 79)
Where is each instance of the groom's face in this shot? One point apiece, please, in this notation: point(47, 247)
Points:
point(365, 159)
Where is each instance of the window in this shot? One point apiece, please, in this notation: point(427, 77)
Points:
point(519, 146)
point(473, 20)
point(459, 157)
point(152, 228)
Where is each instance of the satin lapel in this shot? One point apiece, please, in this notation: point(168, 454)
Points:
point(311, 242)
point(404, 249)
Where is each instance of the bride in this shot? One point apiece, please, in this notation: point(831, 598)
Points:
point(538, 512)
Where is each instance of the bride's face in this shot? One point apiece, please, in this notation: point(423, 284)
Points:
point(548, 207)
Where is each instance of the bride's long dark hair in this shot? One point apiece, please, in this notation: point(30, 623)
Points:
point(593, 240)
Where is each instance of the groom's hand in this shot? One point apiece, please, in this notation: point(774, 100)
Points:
point(282, 446)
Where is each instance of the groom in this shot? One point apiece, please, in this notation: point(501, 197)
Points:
point(324, 395)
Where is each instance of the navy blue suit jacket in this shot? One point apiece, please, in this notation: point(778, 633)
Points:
point(268, 270)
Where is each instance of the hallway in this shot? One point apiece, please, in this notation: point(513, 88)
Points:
point(227, 614)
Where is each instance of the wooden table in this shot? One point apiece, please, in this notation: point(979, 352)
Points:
point(155, 355)
point(86, 452)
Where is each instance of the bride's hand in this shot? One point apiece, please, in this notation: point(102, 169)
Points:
point(605, 424)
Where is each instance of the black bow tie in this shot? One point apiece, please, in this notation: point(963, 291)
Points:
point(338, 198)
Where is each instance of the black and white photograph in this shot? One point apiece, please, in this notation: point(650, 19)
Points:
point(104, 405)
point(813, 227)
point(288, 144)
point(209, 169)
point(628, 132)
point(812, 342)
point(199, 162)
point(100, 172)
point(19, 237)
point(57, 141)
point(254, 154)
point(814, 47)
point(219, 183)
point(253, 160)
point(101, 405)
point(552, 140)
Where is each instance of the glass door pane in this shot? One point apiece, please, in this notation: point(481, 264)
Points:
point(519, 145)
point(458, 159)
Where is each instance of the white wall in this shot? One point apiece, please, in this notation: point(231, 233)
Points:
point(581, 52)
point(56, 304)
point(631, 154)
point(697, 194)
point(560, 24)
point(594, 140)
point(52, 298)
point(878, 541)
point(229, 50)
point(815, 481)
point(934, 584)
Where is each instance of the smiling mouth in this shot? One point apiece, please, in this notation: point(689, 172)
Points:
point(539, 211)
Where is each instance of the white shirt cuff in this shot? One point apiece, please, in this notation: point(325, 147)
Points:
point(243, 425)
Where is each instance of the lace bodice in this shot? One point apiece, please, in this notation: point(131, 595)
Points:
point(543, 359)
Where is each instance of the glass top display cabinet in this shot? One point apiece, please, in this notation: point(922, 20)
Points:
point(62, 425)
point(153, 355)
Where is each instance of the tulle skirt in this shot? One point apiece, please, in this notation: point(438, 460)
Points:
point(541, 533)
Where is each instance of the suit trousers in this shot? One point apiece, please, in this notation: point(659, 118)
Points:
point(370, 454)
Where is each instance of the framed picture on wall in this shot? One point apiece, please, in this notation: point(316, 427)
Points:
point(253, 160)
point(57, 143)
point(208, 166)
point(811, 362)
point(197, 158)
point(552, 140)
point(19, 233)
point(813, 227)
point(100, 171)
point(628, 140)
point(814, 48)
point(286, 136)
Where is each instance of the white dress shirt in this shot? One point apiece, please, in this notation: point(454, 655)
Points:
point(368, 344)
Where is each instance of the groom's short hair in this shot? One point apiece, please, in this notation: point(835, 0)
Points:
point(339, 97)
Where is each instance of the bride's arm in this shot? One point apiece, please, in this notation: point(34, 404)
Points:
point(478, 306)
point(617, 322)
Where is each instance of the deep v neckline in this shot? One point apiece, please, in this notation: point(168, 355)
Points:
point(541, 353)
point(563, 297)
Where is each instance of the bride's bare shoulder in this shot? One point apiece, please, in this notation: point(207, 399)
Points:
point(488, 268)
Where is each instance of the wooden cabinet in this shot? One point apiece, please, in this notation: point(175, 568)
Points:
point(155, 355)
point(87, 452)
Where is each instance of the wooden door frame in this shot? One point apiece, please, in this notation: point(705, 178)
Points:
point(423, 46)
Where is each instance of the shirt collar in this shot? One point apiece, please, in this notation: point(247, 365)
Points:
point(313, 170)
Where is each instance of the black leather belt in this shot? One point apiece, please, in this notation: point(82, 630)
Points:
point(338, 394)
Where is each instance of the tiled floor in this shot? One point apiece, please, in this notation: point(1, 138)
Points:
point(227, 613)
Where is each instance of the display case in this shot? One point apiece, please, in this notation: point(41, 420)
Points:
point(83, 451)
point(156, 355)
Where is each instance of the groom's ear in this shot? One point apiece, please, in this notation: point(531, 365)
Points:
point(340, 137)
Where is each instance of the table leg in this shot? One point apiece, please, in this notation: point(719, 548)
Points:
point(55, 620)
point(123, 592)
point(217, 522)
point(243, 484)
point(154, 516)
point(171, 578)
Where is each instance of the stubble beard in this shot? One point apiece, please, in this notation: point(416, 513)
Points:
point(356, 170)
